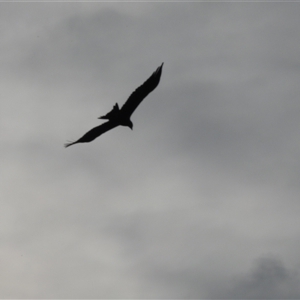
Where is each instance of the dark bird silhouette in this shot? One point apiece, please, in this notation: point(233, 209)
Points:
point(117, 116)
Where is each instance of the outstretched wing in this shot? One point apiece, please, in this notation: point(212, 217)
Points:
point(94, 133)
point(141, 92)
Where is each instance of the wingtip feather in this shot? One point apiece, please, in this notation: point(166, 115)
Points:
point(159, 69)
point(66, 145)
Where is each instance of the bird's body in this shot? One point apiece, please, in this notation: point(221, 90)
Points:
point(121, 117)
point(118, 116)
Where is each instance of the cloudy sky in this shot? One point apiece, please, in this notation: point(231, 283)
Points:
point(200, 200)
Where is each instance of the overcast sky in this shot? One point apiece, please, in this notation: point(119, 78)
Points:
point(200, 200)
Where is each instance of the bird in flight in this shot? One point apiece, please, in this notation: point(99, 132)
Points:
point(117, 116)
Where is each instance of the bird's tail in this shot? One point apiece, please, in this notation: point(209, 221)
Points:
point(112, 113)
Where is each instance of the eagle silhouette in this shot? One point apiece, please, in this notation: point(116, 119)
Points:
point(117, 116)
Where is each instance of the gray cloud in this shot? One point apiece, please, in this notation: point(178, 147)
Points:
point(270, 279)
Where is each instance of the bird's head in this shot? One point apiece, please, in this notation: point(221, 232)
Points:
point(130, 124)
